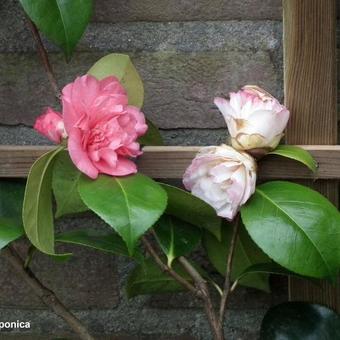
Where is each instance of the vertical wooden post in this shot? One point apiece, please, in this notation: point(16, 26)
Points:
point(310, 94)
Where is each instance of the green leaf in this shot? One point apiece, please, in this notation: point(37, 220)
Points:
point(296, 226)
point(193, 210)
point(130, 205)
point(106, 241)
point(300, 321)
point(65, 186)
point(37, 208)
point(266, 268)
point(62, 21)
point(9, 231)
point(176, 237)
point(246, 254)
point(120, 66)
point(152, 136)
point(148, 278)
point(11, 199)
point(296, 153)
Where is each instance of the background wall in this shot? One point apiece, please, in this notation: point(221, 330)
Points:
point(187, 52)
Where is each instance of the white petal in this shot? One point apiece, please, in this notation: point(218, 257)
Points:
point(224, 106)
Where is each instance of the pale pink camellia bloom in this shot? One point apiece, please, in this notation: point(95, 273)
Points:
point(255, 119)
point(51, 125)
point(222, 177)
point(102, 128)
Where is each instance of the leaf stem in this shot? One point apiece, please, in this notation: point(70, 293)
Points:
point(167, 269)
point(44, 58)
point(227, 281)
point(45, 294)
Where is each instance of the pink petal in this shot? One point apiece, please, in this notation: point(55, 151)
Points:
point(141, 126)
point(224, 106)
point(79, 156)
point(122, 167)
point(111, 84)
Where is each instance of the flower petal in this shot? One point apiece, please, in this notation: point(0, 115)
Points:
point(79, 156)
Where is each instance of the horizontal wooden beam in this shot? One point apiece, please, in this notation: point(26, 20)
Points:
point(171, 162)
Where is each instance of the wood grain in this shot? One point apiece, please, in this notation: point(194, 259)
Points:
point(170, 162)
point(310, 94)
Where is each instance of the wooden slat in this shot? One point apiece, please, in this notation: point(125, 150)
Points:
point(170, 162)
point(310, 94)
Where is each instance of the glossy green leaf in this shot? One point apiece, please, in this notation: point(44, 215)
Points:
point(265, 268)
point(37, 208)
point(296, 226)
point(11, 200)
point(62, 21)
point(296, 153)
point(152, 136)
point(9, 231)
point(176, 237)
point(106, 241)
point(246, 254)
point(300, 321)
point(193, 210)
point(130, 205)
point(65, 186)
point(148, 278)
point(120, 66)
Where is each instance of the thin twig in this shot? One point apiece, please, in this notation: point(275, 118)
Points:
point(194, 274)
point(167, 269)
point(46, 295)
point(227, 282)
point(44, 58)
point(200, 289)
point(201, 284)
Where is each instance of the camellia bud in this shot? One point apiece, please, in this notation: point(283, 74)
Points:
point(222, 177)
point(51, 125)
point(255, 119)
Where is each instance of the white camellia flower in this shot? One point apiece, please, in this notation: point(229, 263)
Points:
point(223, 177)
point(255, 119)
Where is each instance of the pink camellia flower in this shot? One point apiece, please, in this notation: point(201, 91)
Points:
point(223, 177)
point(51, 125)
point(255, 119)
point(101, 126)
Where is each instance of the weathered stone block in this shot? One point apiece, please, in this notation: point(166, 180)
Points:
point(185, 10)
point(153, 36)
point(179, 87)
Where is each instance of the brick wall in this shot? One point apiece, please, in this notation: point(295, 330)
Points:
point(187, 52)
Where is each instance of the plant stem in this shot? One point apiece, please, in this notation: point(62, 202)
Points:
point(167, 269)
point(46, 295)
point(227, 281)
point(44, 58)
point(201, 284)
point(200, 289)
